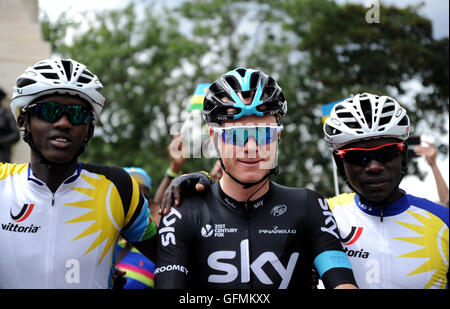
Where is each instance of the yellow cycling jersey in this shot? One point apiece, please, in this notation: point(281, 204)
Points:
point(404, 245)
point(67, 239)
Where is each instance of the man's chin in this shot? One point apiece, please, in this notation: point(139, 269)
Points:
point(251, 177)
point(374, 198)
point(59, 158)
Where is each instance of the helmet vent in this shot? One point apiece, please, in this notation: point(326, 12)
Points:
point(254, 80)
point(246, 94)
point(348, 119)
point(384, 120)
point(404, 121)
point(352, 124)
point(387, 112)
point(67, 68)
point(388, 107)
point(22, 82)
point(231, 80)
point(241, 71)
point(50, 75)
point(366, 108)
point(269, 91)
point(43, 67)
point(83, 80)
point(86, 72)
point(331, 131)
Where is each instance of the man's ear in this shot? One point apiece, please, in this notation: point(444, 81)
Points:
point(21, 122)
point(90, 131)
point(214, 139)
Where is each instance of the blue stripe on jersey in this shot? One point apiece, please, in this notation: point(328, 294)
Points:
point(331, 259)
point(438, 210)
point(393, 209)
point(137, 229)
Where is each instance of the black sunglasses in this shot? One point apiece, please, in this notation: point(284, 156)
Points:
point(52, 112)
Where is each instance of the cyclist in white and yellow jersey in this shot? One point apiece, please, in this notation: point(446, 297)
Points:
point(393, 239)
point(61, 219)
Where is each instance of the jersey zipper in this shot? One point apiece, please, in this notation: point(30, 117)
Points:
point(385, 262)
point(246, 210)
point(51, 260)
point(249, 255)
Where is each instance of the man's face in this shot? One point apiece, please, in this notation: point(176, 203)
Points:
point(61, 140)
point(375, 181)
point(250, 162)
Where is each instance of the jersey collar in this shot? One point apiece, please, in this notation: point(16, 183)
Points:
point(393, 209)
point(230, 202)
point(70, 179)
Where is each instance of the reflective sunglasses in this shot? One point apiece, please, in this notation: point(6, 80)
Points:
point(239, 135)
point(362, 156)
point(52, 112)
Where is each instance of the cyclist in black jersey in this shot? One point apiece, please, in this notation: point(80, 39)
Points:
point(249, 232)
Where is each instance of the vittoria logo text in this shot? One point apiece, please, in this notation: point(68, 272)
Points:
point(11, 227)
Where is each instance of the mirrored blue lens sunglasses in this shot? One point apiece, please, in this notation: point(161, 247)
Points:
point(239, 135)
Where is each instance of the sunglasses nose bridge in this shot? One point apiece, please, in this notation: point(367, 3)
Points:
point(373, 165)
point(63, 119)
point(251, 142)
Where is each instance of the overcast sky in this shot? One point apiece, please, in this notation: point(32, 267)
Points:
point(436, 10)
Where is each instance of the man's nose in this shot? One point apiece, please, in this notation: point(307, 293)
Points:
point(251, 147)
point(63, 122)
point(374, 166)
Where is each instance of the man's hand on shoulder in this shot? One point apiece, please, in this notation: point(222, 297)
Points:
point(184, 184)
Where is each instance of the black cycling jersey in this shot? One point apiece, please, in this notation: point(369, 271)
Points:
point(213, 241)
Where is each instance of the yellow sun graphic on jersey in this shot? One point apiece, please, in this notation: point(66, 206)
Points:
point(434, 243)
point(106, 217)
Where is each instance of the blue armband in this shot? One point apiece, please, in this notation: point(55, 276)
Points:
point(331, 259)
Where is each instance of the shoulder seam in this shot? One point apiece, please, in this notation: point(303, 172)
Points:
point(340, 200)
point(11, 169)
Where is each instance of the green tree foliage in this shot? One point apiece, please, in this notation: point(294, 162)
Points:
point(319, 51)
point(140, 62)
point(341, 54)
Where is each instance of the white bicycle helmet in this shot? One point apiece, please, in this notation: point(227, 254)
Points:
point(365, 116)
point(61, 76)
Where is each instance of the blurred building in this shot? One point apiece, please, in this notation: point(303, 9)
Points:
point(21, 45)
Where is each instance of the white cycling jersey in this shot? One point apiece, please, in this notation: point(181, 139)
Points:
point(67, 239)
point(405, 246)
